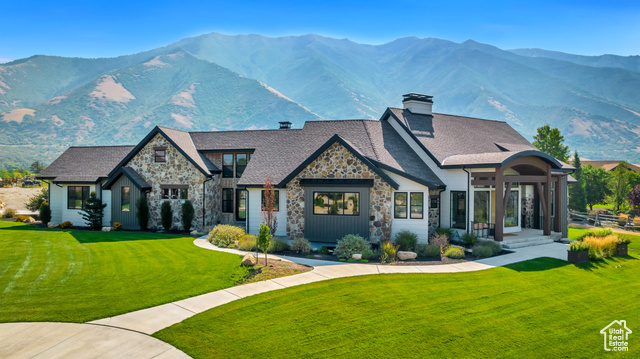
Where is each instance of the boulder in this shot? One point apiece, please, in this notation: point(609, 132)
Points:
point(249, 260)
point(356, 256)
point(53, 225)
point(194, 232)
point(29, 220)
point(107, 229)
point(406, 255)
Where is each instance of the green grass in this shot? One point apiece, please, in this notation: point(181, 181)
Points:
point(77, 276)
point(534, 309)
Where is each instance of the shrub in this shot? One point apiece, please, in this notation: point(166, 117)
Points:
point(142, 212)
point(447, 231)
point(454, 252)
point(602, 247)
point(624, 240)
point(349, 245)
point(324, 250)
point(301, 245)
point(481, 251)
point(406, 240)
point(117, 226)
point(578, 246)
point(21, 218)
point(264, 240)
point(9, 213)
point(45, 213)
point(602, 232)
point(469, 239)
point(36, 201)
point(188, 213)
point(93, 211)
point(388, 252)
point(166, 215)
point(66, 224)
point(224, 235)
point(278, 245)
point(247, 242)
point(369, 253)
point(493, 246)
point(428, 250)
point(441, 240)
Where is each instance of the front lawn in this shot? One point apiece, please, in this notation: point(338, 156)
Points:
point(77, 276)
point(544, 308)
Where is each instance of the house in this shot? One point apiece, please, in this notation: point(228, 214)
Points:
point(610, 165)
point(410, 170)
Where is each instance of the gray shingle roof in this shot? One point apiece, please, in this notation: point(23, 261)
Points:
point(185, 143)
point(85, 164)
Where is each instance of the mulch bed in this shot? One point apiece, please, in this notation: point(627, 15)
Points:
point(276, 268)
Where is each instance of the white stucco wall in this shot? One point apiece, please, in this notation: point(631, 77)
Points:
point(417, 226)
point(59, 211)
point(254, 218)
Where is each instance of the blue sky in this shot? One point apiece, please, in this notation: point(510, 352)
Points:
point(100, 28)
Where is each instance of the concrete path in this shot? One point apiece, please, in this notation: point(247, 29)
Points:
point(69, 340)
point(153, 319)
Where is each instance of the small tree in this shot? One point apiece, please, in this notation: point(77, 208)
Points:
point(577, 198)
point(166, 215)
point(595, 184)
point(619, 186)
point(36, 167)
point(188, 213)
point(45, 213)
point(93, 211)
point(36, 201)
point(264, 239)
point(269, 213)
point(142, 212)
point(550, 141)
point(634, 198)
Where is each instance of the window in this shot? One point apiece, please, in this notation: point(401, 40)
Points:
point(77, 196)
point(336, 203)
point(458, 210)
point(511, 213)
point(241, 205)
point(417, 204)
point(227, 165)
point(241, 164)
point(434, 202)
point(400, 205)
point(161, 154)
point(175, 192)
point(125, 199)
point(227, 200)
point(276, 196)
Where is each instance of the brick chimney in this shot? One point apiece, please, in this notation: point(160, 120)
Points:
point(417, 103)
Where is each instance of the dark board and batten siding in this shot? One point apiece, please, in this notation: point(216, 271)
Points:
point(330, 228)
point(128, 219)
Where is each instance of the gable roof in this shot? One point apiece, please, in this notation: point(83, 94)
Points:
point(457, 141)
point(132, 175)
point(610, 165)
point(85, 164)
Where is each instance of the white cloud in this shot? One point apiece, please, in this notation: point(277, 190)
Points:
point(4, 59)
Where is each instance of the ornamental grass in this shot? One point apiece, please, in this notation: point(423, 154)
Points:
point(601, 247)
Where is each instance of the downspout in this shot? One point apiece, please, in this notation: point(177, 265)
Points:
point(468, 196)
point(204, 200)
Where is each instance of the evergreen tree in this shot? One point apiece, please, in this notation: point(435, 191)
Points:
point(142, 212)
point(188, 213)
point(550, 141)
point(166, 215)
point(577, 197)
point(93, 211)
point(45, 213)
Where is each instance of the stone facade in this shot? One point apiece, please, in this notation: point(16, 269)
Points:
point(177, 170)
point(229, 182)
point(338, 162)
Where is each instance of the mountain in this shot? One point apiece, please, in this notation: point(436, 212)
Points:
point(235, 82)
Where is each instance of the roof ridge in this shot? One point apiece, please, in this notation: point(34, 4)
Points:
point(447, 114)
point(101, 146)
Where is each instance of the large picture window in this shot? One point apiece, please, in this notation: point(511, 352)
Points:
point(336, 203)
point(417, 205)
point(458, 210)
point(227, 165)
point(77, 196)
point(241, 164)
point(227, 200)
point(125, 198)
point(276, 202)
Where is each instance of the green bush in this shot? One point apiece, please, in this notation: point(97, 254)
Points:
point(324, 250)
point(495, 247)
point(469, 239)
point(36, 201)
point(428, 250)
point(45, 213)
point(166, 215)
point(623, 239)
point(349, 245)
point(188, 213)
point(9, 213)
point(406, 240)
point(454, 252)
point(247, 242)
point(388, 252)
point(447, 231)
point(441, 240)
point(142, 212)
point(224, 235)
point(278, 245)
point(301, 245)
point(480, 251)
point(578, 246)
point(369, 253)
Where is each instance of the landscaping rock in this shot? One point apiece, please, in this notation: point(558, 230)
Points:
point(29, 220)
point(53, 225)
point(356, 256)
point(406, 255)
point(249, 260)
point(107, 229)
point(194, 232)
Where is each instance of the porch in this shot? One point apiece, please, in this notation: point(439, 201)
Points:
point(526, 237)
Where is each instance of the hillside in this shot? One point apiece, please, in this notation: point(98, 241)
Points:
point(230, 82)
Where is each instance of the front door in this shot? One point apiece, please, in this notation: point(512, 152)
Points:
point(241, 205)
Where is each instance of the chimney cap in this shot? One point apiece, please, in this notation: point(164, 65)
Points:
point(417, 97)
point(285, 124)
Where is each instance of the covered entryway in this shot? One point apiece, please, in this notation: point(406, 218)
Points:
point(127, 187)
point(335, 208)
